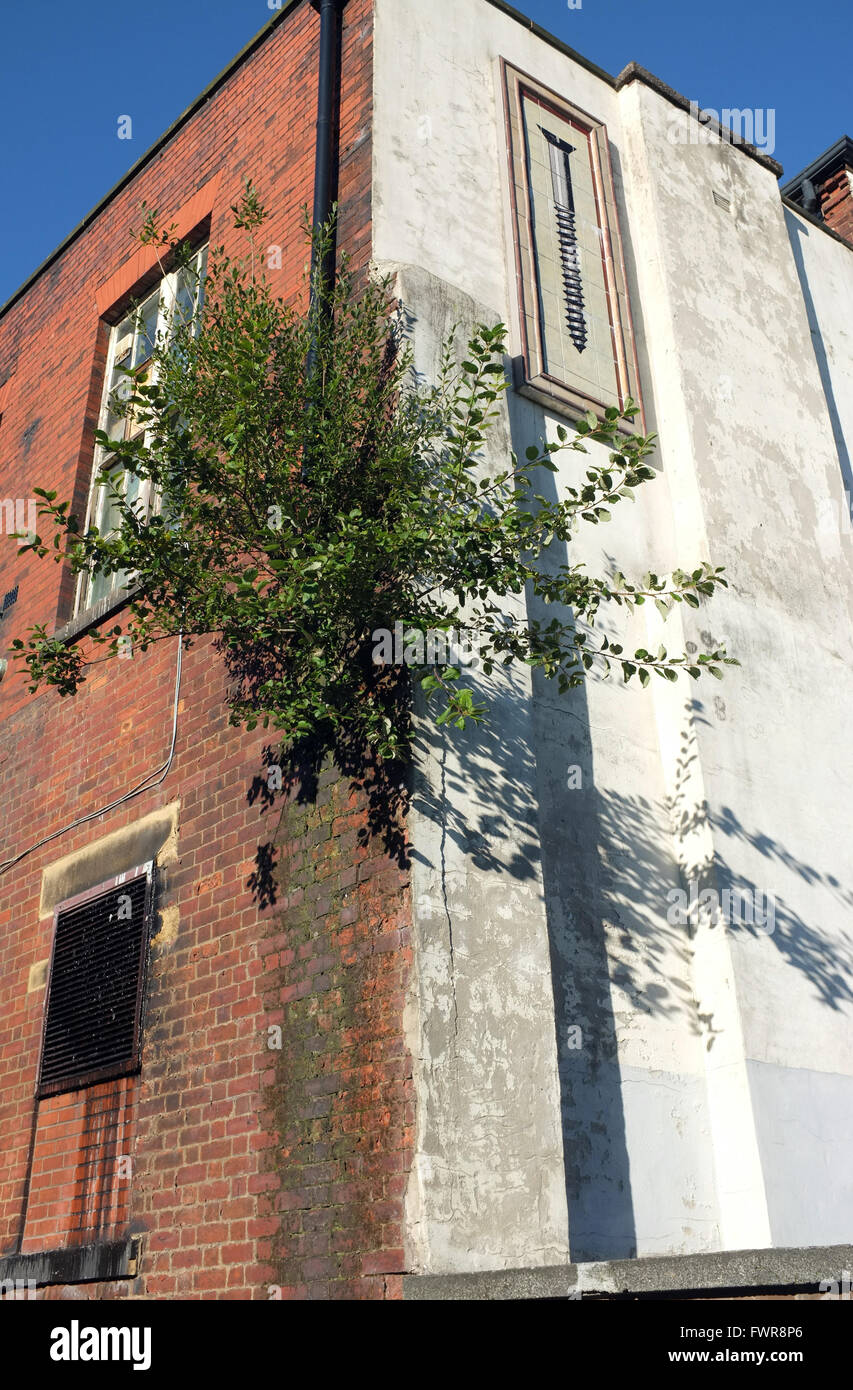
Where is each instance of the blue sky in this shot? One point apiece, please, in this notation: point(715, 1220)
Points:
point(68, 71)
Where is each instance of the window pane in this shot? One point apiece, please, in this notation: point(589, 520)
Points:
point(134, 421)
point(184, 297)
point(133, 493)
point(119, 391)
point(107, 514)
point(100, 586)
point(123, 341)
point(202, 271)
point(189, 289)
point(146, 329)
point(107, 518)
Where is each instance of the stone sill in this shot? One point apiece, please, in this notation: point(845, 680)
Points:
point(91, 617)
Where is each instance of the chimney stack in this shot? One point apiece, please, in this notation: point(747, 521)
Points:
point(825, 188)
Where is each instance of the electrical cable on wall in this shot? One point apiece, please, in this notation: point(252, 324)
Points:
point(152, 780)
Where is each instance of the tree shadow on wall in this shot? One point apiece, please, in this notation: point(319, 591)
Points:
point(526, 825)
point(607, 861)
point(576, 878)
point(797, 233)
point(827, 965)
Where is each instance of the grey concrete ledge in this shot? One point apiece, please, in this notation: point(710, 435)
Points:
point(91, 617)
point(735, 1272)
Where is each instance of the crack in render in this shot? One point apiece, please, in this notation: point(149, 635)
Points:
point(443, 861)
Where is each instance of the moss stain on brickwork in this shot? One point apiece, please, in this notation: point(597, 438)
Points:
point(338, 1102)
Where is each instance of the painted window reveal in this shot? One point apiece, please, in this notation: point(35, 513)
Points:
point(575, 329)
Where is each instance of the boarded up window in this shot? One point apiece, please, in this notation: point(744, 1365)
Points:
point(94, 1001)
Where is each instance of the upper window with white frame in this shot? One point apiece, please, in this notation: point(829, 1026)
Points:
point(177, 298)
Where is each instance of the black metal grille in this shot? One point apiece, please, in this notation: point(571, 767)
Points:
point(94, 1002)
point(564, 209)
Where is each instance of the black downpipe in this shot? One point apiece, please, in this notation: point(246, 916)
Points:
point(325, 163)
point(325, 176)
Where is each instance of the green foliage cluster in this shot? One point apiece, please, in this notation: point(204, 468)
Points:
point(309, 491)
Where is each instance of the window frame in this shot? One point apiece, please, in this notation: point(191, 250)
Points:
point(166, 287)
point(80, 1080)
point(568, 395)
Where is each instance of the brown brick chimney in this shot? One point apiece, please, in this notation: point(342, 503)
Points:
point(825, 188)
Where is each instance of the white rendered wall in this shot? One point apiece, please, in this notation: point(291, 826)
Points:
point(672, 1129)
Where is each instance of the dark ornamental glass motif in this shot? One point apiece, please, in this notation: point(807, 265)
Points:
point(564, 208)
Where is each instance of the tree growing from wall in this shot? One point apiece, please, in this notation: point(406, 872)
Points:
point(311, 493)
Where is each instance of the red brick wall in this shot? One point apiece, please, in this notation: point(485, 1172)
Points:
point(81, 1167)
point(255, 1170)
point(339, 1088)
